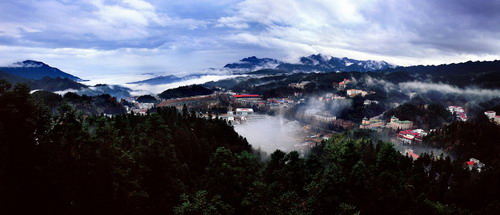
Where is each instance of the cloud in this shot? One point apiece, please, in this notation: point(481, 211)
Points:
point(397, 31)
point(196, 34)
point(272, 133)
point(142, 89)
point(103, 24)
point(473, 93)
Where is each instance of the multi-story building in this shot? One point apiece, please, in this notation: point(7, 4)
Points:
point(400, 124)
point(411, 136)
point(372, 123)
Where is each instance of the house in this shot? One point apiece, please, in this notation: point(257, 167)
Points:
point(300, 85)
point(355, 92)
point(372, 123)
point(459, 111)
point(411, 136)
point(490, 114)
point(369, 102)
point(474, 163)
point(244, 111)
point(205, 100)
point(400, 124)
point(493, 117)
point(338, 97)
point(324, 117)
point(343, 84)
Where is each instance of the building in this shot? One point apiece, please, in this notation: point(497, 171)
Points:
point(343, 84)
point(229, 116)
point(493, 117)
point(474, 163)
point(244, 111)
point(369, 102)
point(400, 124)
point(338, 97)
point(324, 117)
point(490, 114)
point(411, 136)
point(355, 92)
point(372, 123)
point(346, 124)
point(300, 85)
point(459, 111)
point(247, 96)
point(248, 100)
point(206, 101)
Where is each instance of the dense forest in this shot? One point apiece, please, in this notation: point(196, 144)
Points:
point(185, 91)
point(90, 105)
point(173, 162)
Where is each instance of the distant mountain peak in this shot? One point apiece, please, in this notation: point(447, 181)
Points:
point(253, 63)
point(29, 63)
point(36, 70)
point(327, 63)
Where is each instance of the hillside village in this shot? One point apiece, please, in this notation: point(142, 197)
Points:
point(317, 125)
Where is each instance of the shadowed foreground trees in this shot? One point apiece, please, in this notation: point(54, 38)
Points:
point(80, 164)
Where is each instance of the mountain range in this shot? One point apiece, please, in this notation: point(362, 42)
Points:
point(253, 63)
point(41, 76)
point(268, 66)
point(312, 63)
point(325, 63)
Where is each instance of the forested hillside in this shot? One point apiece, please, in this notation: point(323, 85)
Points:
point(83, 164)
point(171, 162)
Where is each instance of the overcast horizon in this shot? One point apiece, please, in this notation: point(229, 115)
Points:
point(102, 38)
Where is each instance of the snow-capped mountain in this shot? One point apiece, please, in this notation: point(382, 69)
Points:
point(317, 62)
point(325, 63)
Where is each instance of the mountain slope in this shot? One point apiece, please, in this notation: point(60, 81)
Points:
point(168, 79)
point(485, 74)
point(48, 84)
point(325, 63)
point(36, 70)
point(253, 63)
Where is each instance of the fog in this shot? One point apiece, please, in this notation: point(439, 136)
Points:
point(271, 133)
point(334, 107)
point(421, 149)
point(422, 87)
point(418, 87)
point(141, 89)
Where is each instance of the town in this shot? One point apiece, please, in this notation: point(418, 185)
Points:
point(317, 123)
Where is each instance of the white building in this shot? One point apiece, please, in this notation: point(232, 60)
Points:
point(355, 92)
point(490, 114)
point(244, 111)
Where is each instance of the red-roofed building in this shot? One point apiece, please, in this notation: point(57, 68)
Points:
point(474, 163)
point(411, 136)
point(343, 84)
point(247, 96)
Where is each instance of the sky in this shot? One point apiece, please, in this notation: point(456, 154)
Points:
point(106, 38)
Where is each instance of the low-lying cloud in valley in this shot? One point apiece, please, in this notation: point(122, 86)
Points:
point(272, 133)
point(422, 87)
point(334, 107)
